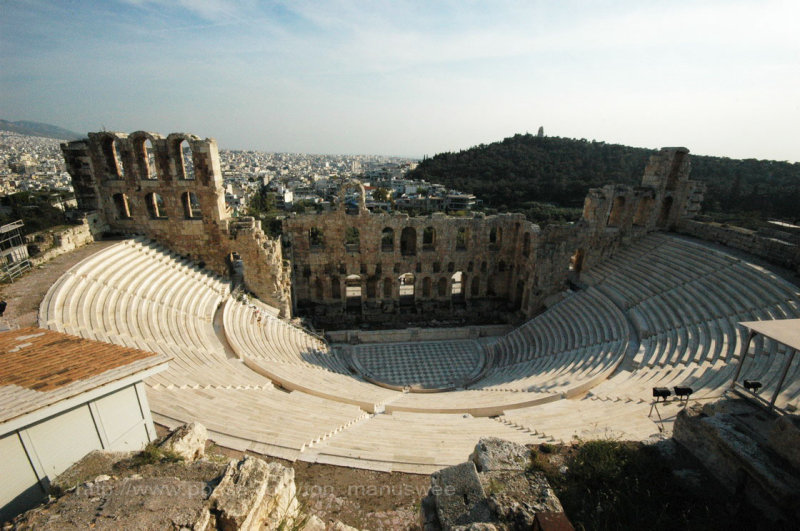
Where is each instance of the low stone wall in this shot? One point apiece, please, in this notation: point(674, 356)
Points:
point(416, 334)
point(45, 245)
point(776, 251)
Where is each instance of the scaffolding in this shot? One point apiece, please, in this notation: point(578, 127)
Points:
point(14, 260)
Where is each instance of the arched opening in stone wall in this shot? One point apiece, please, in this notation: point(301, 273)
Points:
point(149, 160)
point(155, 206)
point(457, 287)
point(576, 261)
point(526, 245)
point(441, 288)
point(428, 239)
point(617, 211)
point(113, 156)
point(461, 239)
point(666, 207)
point(387, 288)
point(352, 292)
point(352, 240)
point(408, 242)
point(387, 240)
point(406, 291)
point(475, 288)
point(319, 293)
point(495, 238)
point(187, 161)
point(372, 288)
point(122, 207)
point(451, 267)
point(643, 211)
point(316, 239)
point(336, 288)
point(426, 288)
point(191, 206)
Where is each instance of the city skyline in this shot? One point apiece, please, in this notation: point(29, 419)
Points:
point(410, 78)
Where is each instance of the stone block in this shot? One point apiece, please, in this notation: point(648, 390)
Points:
point(492, 454)
point(188, 441)
point(253, 494)
point(460, 498)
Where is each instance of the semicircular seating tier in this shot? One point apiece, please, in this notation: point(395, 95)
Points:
point(661, 312)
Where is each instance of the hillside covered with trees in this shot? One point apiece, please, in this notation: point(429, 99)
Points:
point(548, 177)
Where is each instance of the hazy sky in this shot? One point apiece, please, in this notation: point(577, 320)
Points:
point(411, 78)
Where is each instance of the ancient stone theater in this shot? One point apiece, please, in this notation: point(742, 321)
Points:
point(390, 342)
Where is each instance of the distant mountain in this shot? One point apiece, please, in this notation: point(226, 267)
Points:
point(39, 129)
point(510, 174)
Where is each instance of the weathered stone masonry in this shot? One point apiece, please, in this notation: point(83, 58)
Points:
point(350, 265)
point(170, 189)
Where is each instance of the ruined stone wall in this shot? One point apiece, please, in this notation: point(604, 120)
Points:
point(170, 189)
point(349, 265)
point(509, 266)
point(779, 252)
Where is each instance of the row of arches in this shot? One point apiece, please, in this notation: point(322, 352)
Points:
point(145, 159)
point(408, 239)
point(154, 204)
point(406, 288)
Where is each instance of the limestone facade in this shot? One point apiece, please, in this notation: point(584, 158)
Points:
point(170, 189)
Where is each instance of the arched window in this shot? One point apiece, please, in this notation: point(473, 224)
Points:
point(155, 206)
point(387, 240)
point(387, 288)
point(495, 237)
point(526, 245)
point(428, 239)
point(187, 160)
point(121, 204)
point(406, 290)
point(408, 241)
point(316, 239)
point(441, 289)
point(352, 292)
point(483, 267)
point(457, 286)
point(113, 157)
point(336, 289)
point(191, 206)
point(476, 285)
point(149, 160)
point(461, 239)
point(451, 267)
point(437, 267)
point(426, 287)
point(617, 210)
point(372, 288)
point(470, 267)
point(352, 240)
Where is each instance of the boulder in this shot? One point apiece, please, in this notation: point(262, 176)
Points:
point(253, 494)
point(492, 454)
point(459, 496)
point(188, 441)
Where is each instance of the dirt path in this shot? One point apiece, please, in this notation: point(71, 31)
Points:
point(26, 293)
